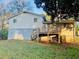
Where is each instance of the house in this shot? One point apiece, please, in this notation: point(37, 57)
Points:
point(25, 25)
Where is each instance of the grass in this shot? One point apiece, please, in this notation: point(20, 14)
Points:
point(33, 50)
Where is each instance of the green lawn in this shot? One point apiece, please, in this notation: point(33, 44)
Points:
point(32, 50)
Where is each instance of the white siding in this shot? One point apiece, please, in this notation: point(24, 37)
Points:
point(20, 34)
point(24, 25)
point(24, 21)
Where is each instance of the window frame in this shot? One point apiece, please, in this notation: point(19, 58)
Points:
point(35, 20)
point(14, 20)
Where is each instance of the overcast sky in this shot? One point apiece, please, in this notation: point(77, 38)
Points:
point(35, 9)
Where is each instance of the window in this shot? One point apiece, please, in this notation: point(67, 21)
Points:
point(35, 19)
point(14, 20)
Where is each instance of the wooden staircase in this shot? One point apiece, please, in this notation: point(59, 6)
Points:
point(35, 34)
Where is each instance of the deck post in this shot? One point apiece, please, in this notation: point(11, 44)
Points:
point(59, 38)
point(37, 34)
point(48, 32)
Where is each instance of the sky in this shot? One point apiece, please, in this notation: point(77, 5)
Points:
point(35, 9)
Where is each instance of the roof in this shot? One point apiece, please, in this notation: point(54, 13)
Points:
point(26, 12)
point(33, 13)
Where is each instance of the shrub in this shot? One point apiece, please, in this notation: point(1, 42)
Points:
point(4, 34)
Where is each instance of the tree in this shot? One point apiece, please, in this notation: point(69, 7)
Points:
point(17, 6)
point(3, 34)
point(55, 7)
point(2, 15)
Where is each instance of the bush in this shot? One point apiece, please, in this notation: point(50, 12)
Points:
point(4, 34)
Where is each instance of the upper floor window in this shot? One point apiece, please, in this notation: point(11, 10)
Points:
point(35, 19)
point(14, 20)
